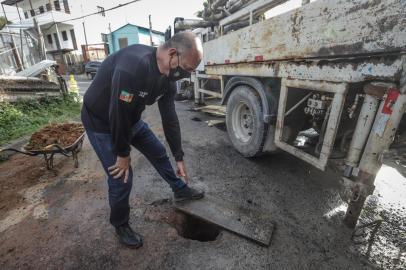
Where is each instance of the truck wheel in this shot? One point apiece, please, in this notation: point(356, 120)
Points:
point(244, 119)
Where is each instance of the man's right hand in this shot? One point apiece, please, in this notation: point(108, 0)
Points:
point(122, 167)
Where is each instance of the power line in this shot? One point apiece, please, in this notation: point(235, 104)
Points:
point(94, 13)
point(98, 12)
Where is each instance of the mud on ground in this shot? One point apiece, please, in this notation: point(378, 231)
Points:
point(59, 219)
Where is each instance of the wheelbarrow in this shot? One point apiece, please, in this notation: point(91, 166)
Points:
point(49, 151)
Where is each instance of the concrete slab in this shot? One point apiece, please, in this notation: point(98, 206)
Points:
point(249, 223)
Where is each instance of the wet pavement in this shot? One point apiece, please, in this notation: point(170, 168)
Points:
point(59, 220)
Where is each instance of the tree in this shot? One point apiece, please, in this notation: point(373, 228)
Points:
point(3, 22)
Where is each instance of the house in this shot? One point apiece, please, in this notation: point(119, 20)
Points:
point(66, 41)
point(133, 34)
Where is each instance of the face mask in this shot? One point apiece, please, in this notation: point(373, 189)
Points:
point(178, 72)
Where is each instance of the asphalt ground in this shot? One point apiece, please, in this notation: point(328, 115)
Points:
point(59, 219)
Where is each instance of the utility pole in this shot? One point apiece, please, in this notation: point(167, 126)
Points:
point(59, 45)
point(86, 46)
point(150, 30)
point(21, 40)
point(16, 54)
point(58, 41)
point(41, 43)
point(112, 39)
point(84, 33)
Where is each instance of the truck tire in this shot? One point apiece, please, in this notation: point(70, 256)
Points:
point(244, 119)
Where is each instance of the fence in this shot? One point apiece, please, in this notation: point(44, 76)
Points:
point(17, 51)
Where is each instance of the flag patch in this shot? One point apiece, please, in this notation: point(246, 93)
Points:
point(125, 96)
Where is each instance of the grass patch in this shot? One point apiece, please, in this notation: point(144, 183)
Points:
point(26, 116)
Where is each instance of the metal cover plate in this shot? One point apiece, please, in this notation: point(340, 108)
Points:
point(249, 223)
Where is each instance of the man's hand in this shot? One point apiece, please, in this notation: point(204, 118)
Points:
point(122, 167)
point(181, 170)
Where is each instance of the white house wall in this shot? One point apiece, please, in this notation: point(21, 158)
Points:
point(26, 7)
point(95, 25)
point(68, 44)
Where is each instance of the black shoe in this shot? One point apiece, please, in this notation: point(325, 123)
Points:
point(187, 193)
point(128, 237)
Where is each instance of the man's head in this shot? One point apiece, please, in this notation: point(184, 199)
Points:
point(180, 55)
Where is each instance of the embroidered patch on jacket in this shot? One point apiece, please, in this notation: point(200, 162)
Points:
point(142, 94)
point(125, 96)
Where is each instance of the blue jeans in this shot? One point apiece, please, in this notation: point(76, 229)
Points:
point(145, 141)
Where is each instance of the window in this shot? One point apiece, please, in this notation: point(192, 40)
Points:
point(32, 12)
point(122, 42)
point(41, 9)
point(49, 37)
point(57, 6)
point(58, 45)
point(26, 15)
point(72, 34)
point(48, 6)
point(66, 6)
point(104, 37)
point(64, 36)
point(101, 11)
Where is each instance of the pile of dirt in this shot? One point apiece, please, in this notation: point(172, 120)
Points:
point(64, 135)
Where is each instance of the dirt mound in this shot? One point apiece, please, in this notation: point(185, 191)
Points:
point(64, 134)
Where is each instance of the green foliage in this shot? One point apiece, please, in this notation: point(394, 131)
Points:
point(3, 22)
point(199, 13)
point(26, 116)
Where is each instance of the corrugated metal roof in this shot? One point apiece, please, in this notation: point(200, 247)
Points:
point(36, 69)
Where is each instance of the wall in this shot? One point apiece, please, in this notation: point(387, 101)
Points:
point(68, 44)
point(135, 35)
point(144, 37)
point(129, 31)
point(95, 25)
point(25, 5)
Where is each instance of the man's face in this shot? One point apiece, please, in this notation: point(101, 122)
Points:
point(186, 61)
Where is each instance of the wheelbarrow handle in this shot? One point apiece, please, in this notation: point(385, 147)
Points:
point(19, 151)
point(60, 148)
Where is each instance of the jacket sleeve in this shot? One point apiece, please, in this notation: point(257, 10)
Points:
point(122, 99)
point(170, 122)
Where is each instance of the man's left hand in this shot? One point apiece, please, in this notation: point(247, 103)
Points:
point(181, 170)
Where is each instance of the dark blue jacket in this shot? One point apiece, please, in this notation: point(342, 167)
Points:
point(125, 83)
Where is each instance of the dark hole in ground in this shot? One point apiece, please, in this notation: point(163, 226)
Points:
point(197, 119)
point(194, 228)
point(221, 127)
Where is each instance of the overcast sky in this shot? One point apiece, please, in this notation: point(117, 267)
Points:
point(162, 12)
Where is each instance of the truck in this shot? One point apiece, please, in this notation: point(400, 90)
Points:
point(325, 82)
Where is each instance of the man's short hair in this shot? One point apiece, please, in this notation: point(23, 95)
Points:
point(182, 42)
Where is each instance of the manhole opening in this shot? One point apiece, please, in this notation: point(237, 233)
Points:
point(194, 228)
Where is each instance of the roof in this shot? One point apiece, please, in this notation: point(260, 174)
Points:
point(153, 31)
point(36, 69)
point(11, 2)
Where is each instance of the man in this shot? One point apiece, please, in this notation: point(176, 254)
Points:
point(125, 83)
